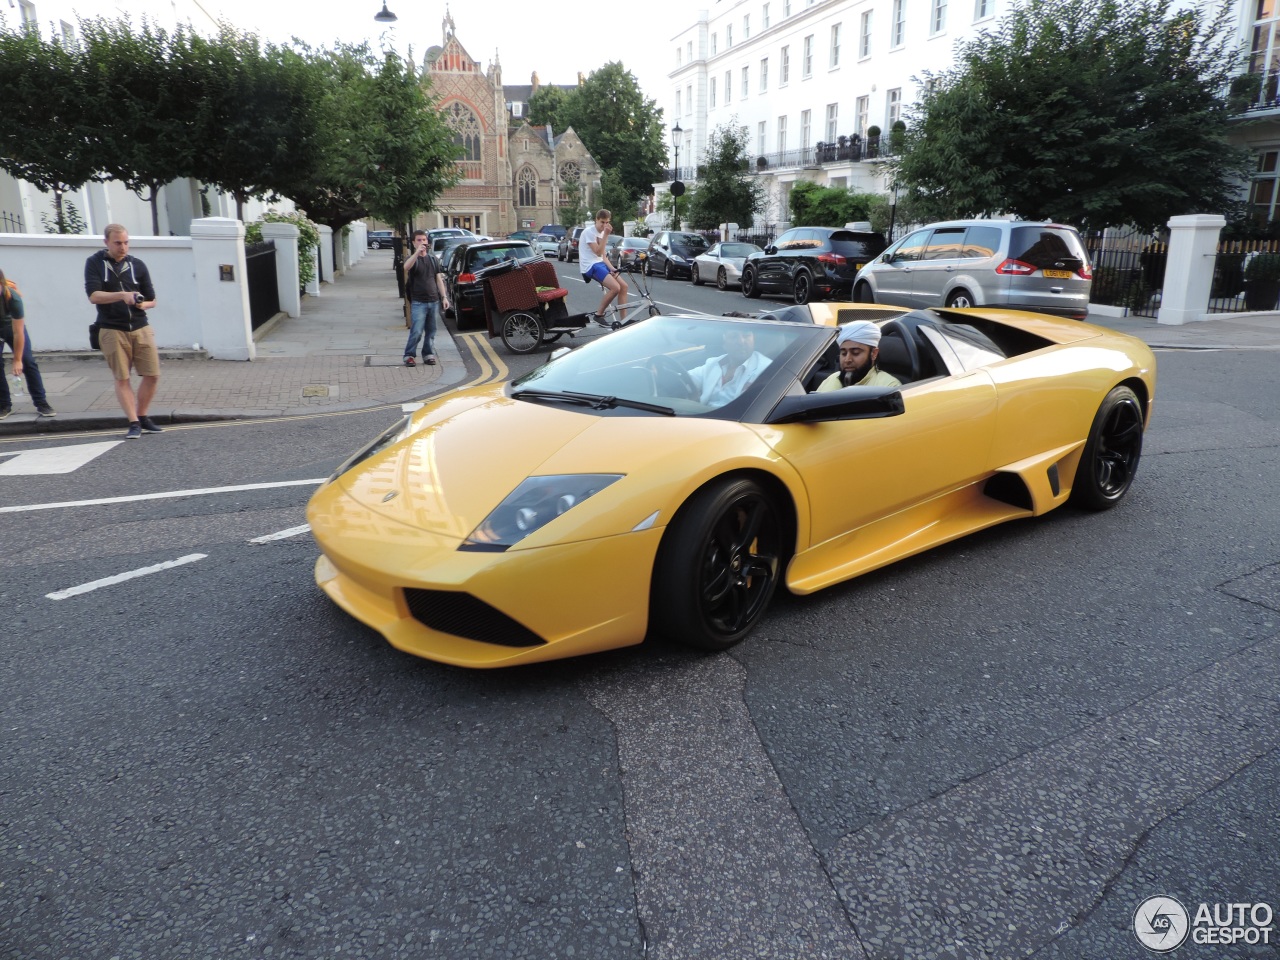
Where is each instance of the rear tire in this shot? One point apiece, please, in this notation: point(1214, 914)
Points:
point(521, 331)
point(722, 279)
point(960, 299)
point(802, 290)
point(749, 288)
point(1110, 459)
point(717, 566)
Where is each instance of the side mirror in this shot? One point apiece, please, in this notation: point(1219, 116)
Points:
point(771, 249)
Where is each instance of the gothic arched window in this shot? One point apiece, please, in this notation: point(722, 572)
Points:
point(527, 187)
point(466, 129)
point(569, 171)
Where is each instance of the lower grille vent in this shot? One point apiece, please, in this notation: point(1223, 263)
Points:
point(463, 615)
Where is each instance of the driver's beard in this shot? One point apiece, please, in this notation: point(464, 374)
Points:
point(848, 379)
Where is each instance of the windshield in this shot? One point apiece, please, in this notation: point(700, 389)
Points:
point(738, 249)
point(691, 242)
point(685, 365)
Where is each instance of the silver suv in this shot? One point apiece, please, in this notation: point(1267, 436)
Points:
point(969, 263)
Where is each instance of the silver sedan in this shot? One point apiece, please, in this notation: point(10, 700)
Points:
point(547, 244)
point(723, 264)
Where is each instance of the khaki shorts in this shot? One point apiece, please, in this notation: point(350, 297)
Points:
point(133, 348)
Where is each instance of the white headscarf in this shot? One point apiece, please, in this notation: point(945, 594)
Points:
point(859, 331)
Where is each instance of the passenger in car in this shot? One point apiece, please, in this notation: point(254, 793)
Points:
point(859, 346)
point(723, 378)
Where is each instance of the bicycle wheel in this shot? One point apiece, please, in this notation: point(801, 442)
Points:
point(521, 331)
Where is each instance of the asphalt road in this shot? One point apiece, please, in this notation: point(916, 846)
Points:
point(997, 749)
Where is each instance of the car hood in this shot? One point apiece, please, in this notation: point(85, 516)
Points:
point(446, 477)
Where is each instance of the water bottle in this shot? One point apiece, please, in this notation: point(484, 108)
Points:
point(15, 383)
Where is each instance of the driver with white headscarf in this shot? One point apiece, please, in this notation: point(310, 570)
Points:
point(859, 346)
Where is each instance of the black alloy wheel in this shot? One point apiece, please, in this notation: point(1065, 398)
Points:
point(802, 290)
point(1110, 459)
point(718, 565)
point(749, 289)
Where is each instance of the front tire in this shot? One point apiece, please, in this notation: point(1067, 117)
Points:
point(1111, 455)
point(749, 288)
point(373, 245)
point(718, 565)
point(521, 332)
point(862, 293)
point(667, 272)
point(696, 277)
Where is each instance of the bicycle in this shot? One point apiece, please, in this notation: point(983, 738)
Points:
point(640, 306)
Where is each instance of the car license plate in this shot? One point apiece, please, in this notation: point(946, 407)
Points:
point(1058, 274)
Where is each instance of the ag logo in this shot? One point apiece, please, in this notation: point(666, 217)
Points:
point(1161, 924)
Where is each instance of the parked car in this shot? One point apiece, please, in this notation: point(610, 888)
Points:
point(442, 247)
point(970, 263)
point(626, 256)
point(723, 264)
point(525, 235)
point(568, 249)
point(547, 244)
point(465, 291)
point(811, 263)
point(436, 234)
point(378, 239)
point(555, 229)
point(672, 253)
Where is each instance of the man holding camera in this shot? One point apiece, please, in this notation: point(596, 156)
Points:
point(424, 286)
point(120, 287)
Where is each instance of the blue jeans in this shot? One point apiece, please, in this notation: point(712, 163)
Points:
point(30, 370)
point(422, 315)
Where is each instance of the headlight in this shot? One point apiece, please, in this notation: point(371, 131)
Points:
point(677, 258)
point(393, 435)
point(532, 505)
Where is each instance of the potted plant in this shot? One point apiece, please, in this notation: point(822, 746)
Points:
point(762, 163)
point(873, 140)
point(1262, 281)
point(897, 135)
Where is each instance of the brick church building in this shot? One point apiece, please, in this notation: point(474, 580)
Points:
point(513, 174)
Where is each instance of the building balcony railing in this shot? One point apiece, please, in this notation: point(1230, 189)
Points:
point(851, 150)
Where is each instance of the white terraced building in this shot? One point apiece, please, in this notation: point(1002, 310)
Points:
point(793, 74)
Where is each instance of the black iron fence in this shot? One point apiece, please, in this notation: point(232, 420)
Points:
point(260, 278)
point(845, 150)
point(10, 222)
point(1128, 270)
point(1246, 276)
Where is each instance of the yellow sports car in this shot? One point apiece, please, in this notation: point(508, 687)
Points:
point(668, 477)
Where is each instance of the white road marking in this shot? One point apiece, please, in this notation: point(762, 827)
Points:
point(172, 494)
point(283, 534)
point(412, 407)
point(121, 577)
point(30, 463)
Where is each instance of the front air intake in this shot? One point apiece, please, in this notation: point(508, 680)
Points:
point(462, 615)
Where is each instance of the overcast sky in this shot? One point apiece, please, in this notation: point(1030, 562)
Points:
point(556, 38)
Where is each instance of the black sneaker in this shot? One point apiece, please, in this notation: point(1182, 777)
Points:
point(134, 431)
point(149, 425)
point(5, 411)
point(45, 410)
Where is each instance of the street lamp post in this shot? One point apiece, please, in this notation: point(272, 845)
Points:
point(677, 188)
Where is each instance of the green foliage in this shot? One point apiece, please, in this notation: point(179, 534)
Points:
point(545, 106)
point(1265, 266)
point(1093, 113)
point(889, 219)
point(814, 205)
point(674, 207)
point(725, 194)
point(51, 114)
point(573, 212)
point(615, 196)
point(619, 125)
point(308, 239)
point(69, 221)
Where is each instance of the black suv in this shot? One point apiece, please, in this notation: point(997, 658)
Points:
point(671, 253)
point(466, 293)
point(811, 263)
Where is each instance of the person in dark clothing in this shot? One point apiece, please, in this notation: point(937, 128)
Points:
point(120, 287)
point(424, 286)
point(13, 331)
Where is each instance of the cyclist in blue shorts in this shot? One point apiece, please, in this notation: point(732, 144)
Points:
point(591, 245)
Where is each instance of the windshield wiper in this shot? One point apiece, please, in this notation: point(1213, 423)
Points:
point(594, 400)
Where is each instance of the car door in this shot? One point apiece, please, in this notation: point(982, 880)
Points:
point(861, 472)
point(772, 267)
point(938, 259)
point(894, 270)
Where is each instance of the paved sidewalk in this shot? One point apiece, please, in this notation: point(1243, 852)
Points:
point(345, 351)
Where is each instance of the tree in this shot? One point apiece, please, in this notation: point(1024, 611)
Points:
point(726, 193)
point(615, 196)
point(814, 205)
point(545, 106)
point(146, 140)
point(1094, 113)
point(622, 129)
point(50, 118)
point(572, 209)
